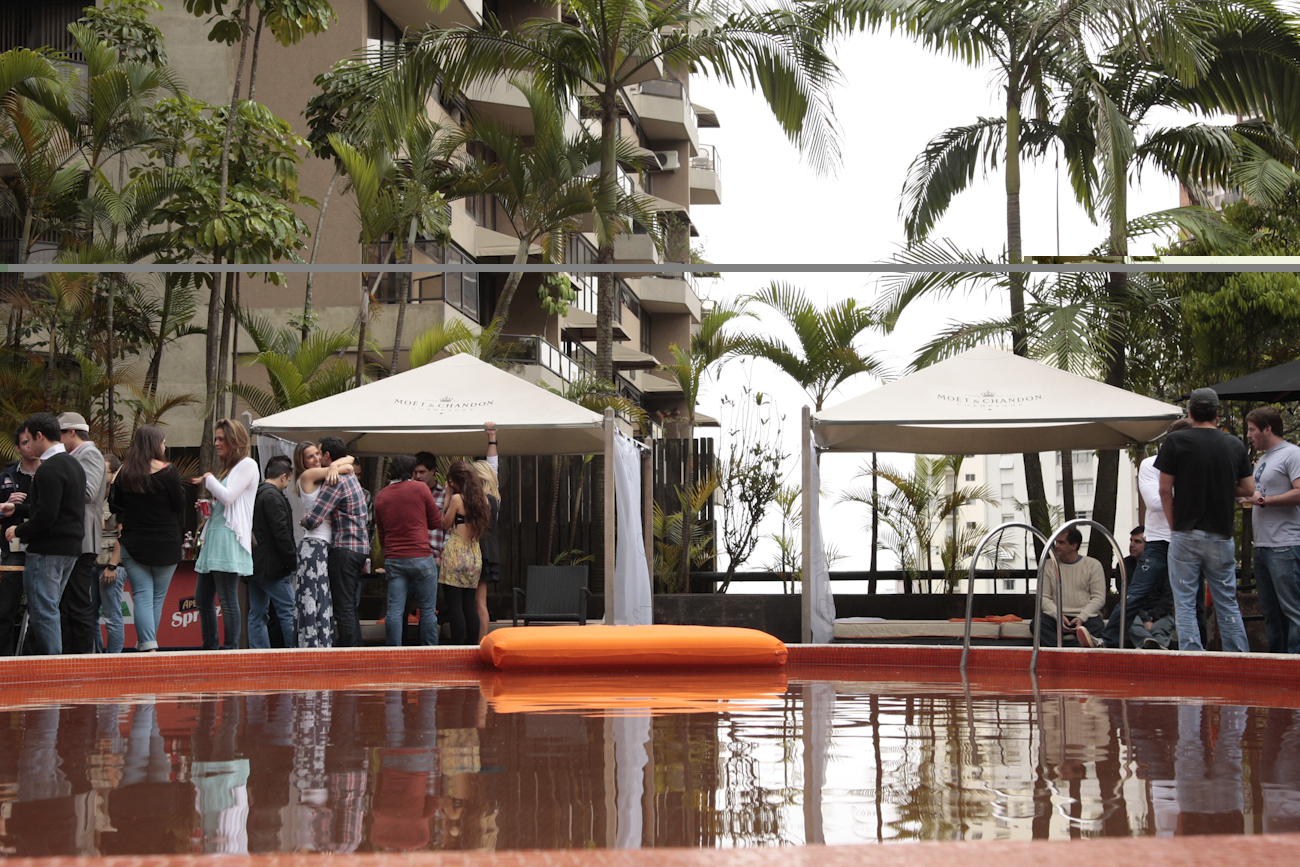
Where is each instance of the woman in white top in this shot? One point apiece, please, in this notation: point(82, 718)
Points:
point(227, 551)
point(313, 605)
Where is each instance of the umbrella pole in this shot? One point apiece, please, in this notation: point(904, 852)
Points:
point(805, 578)
point(611, 584)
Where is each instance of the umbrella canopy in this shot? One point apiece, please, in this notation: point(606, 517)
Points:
point(441, 407)
point(1272, 385)
point(988, 401)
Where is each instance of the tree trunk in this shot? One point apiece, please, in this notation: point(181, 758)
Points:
point(315, 246)
point(212, 345)
point(234, 342)
point(1068, 510)
point(556, 465)
point(257, 44)
point(407, 258)
point(155, 363)
point(366, 293)
point(226, 318)
point(108, 364)
point(688, 508)
point(875, 524)
point(1019, 337)
point(502, 310)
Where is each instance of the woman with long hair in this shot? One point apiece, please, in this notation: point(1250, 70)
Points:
point(313, 605)
point(147, 498)
point(466, 519)
point(227, 552)
point(488, 545)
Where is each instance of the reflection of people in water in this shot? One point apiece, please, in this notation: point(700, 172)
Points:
point(465, 818)
point(305, 820)
point(1208, 773)
point(221, 779)
point(152, 813)
point(1280, 773)
point(406, 792)
point(268, 726)
point(1152, 730)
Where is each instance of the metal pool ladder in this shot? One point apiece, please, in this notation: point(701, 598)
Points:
point(1048, 553)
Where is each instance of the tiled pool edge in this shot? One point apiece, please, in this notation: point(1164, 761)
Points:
point(1257, 851)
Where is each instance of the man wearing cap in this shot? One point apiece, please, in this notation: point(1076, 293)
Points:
point(1202, 472)
point(80, 618)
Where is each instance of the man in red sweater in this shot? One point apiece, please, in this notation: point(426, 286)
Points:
point(405, 512)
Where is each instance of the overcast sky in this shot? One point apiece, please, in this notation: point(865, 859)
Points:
point(775, 209)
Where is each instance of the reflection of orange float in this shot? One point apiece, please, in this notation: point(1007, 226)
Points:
point(644, 692)
point(630, 646)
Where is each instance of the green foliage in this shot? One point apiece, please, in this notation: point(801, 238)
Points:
point(556, 293)
point(668, 532)
point(454, 337)
point(124, 24)
point(300, 371)
point(288, 20)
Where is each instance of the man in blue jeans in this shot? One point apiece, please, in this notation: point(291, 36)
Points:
point(53, 530)
point(274, 557)
point(1276, 506)
point(1202, 473)
point(405, 512)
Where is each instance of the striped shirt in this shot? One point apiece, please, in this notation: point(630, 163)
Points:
point(438, 536)
point(346, 501)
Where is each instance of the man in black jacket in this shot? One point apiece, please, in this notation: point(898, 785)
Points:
point(52, 532)
point(15, 485)
point(274, 558)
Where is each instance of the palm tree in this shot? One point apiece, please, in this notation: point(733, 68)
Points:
point(596, 48)
point(402, 188)
point(454, 337)
point(917, 507)
point(545, 186)
point(300, 371)
point(709, 348)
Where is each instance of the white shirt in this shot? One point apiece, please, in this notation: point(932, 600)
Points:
point(53, 450)
point(237, 495)
point(1157, 528)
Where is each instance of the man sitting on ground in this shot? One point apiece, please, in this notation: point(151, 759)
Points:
point(1083, 592)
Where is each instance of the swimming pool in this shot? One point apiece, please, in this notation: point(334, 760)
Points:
point(846, 745)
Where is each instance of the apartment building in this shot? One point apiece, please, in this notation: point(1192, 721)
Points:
point(655, 311)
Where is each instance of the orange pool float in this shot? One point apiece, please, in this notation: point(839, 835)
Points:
point(630, 646)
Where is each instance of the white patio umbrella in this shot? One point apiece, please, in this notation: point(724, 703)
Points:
point(441, 408)
point(984, 401)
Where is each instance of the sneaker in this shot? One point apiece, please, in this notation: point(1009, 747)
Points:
point(1085, 637)
point(1151, 644)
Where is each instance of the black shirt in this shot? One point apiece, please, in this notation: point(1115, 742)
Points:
point(56, 508)
point(151, 520)
point(14, 479)
point(1206, 464)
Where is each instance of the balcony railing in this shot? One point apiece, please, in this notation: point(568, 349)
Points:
point(534, 349)
point(666, 88)
point(707, 159)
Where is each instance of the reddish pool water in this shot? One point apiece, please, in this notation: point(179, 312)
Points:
point(536, 763)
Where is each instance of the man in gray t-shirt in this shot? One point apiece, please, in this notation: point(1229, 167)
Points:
point(1276, 503)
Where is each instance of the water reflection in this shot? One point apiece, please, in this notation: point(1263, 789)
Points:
point(468, 768)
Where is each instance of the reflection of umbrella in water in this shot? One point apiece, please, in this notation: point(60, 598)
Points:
point(636, 693)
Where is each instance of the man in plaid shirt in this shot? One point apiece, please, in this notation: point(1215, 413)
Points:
point(425, 471)
point(345, 503)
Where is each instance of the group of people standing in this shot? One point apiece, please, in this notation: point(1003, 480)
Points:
point(1191, 489)
point(429, 534)
point(78, 525)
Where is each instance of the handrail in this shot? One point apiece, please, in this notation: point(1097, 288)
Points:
point(1123, 576)
point(970, 578)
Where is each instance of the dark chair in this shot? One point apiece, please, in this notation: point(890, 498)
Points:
point(554, 594)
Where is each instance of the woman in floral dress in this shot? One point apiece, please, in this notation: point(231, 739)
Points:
point(313, 608)
point(466, 519)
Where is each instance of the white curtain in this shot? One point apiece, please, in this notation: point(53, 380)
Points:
point(633, 602)
point(819, 578)
point(631, 752)
point(268, 446)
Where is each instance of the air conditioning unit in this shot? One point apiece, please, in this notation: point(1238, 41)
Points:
point(668, 161)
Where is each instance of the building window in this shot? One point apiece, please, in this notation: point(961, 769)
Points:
point(645, 334)
point(1009, 492)
point(41, 25)
point(1083, 513)
point(970, 477)
point(970, 525)
point(1007, 519)
point(461, 290)
point(1008, 584)
point(382, 35)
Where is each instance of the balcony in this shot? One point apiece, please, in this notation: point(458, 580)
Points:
point(706, 181)
point(660, 294)
point(636, 249)
point(503, 101)
point(417, 13)
point(664, 112)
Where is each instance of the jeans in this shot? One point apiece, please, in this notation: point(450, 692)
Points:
point(108, 599)
point(1161, 630)
point(148, 593)
point(44, 579)
point(1277, 578)
point(1047, 631)
point(11, 597)
point(225, 584)
point(1143, 588)
point(80, 617)
point(418, 575)
point(345, 588)
point(264, 595)
point(1193, 554)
